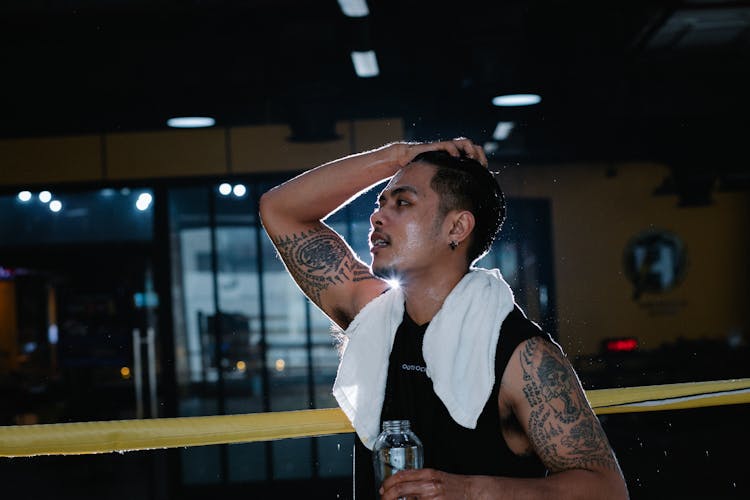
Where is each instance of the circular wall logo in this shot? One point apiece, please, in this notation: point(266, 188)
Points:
point(655, 261)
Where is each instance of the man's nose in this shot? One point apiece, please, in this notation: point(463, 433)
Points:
point(376, 218)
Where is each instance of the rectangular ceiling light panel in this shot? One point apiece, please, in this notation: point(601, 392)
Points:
point(354, 8)
point(365, 64)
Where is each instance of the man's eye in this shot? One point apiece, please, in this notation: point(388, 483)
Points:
point(402, 203)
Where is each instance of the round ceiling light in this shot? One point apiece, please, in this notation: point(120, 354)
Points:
point(191, 122)
point(516, 100)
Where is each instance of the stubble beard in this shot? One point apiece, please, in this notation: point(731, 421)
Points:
point(386, 272)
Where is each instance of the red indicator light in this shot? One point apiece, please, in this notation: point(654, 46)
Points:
point(622, 345)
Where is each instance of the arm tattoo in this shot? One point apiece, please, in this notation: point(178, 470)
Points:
point(318, 259)
point(562, 427)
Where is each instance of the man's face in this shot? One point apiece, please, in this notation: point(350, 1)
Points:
point(406, 228)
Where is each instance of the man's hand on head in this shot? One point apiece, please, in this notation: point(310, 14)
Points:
point(405, 152)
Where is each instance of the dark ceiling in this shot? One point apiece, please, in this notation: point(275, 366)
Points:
point(663, 80)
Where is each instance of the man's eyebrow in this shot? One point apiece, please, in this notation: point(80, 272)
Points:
point(402, 189)
point(397, 191)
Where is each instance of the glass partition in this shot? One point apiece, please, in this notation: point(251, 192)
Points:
point(246, 339)
point(79, 324)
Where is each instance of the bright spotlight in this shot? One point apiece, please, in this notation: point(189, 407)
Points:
point(143, 202)
point(393, 283)
point(239, 190)
point(24, 196)
point(45, 196)
point(55, 205)
point(225, 188)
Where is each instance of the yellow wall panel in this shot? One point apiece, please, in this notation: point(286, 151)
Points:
point(594, 216)
point(370, 134)
point(267, 149)
point(182, 153)
point(179, 153)
point(50, 159)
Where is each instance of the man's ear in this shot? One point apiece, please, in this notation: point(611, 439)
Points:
point(462, 224)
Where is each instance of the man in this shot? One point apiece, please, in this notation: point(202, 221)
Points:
point(496, 403)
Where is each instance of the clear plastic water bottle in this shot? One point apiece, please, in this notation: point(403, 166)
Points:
point(396, 448)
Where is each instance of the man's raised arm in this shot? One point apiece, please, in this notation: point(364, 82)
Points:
point(319, 260)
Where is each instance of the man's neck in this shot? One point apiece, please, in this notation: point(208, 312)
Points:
point(425, 296)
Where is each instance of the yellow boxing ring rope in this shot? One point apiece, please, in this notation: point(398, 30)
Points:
point(129, 435)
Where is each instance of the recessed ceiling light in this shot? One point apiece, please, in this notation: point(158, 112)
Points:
point(24, 196)
point(225, 188)
point(365, 64)
point(354, 8)
point(491, 147)
point(191, 122)
point(143, 202)
point(502, 130)
point(516, 100)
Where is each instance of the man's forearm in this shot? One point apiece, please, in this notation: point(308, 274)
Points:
point(314, 194)
point(568, 484)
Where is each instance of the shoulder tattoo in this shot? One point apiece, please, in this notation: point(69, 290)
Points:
point(318, 259)
point(564, 430)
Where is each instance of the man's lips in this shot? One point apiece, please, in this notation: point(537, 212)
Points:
point(378, 240)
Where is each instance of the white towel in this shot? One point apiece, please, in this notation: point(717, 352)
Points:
point(459, 345)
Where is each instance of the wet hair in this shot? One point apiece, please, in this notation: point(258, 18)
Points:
point(465, 184)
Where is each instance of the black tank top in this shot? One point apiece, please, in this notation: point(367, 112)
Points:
point(447, 445)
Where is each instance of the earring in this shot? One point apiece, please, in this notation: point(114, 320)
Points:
point(453, 245)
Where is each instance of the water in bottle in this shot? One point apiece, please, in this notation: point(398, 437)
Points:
point(396, 448)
